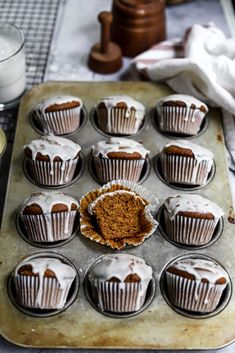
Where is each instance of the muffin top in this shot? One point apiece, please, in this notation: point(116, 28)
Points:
point(58, 103)
point(125, 102)
point(46, 267)
point(191, 203)
point(52, 147)
point(182, 100)
point(119, 148)
point(122, 267)
point(188, 149)
point(48, 202)
point(202, 270)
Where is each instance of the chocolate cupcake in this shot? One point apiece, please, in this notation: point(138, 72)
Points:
point(48, 216)
point(121, 115)
point(184, 162)
point(191, 219)
point(196, 285)
point(59, 115)
point(181, 114)
point(52, 160)
point(117, 214)
point(119, 282)
point(43, 283)
point(118, 158)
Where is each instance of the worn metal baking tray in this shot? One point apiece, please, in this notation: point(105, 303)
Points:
point(81, 326)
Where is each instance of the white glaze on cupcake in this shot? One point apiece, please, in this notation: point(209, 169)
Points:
point(186, 99)
point(118, 145)
point(191, 203)
point(43, 105)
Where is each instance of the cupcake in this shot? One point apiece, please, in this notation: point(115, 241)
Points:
point(117, 215)
point(48, 216)
point(191, 219)
point(181, 114)
point(196, 284)
point(185, 162)
point(121, 115)
point(58, 115)
point(119, 283)
point(52, 160)
point(118, 158)
point(43, 283)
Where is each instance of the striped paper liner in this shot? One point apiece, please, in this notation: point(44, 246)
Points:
point(119, 297)
point(52, 173)
point(193, 295)
point(49, 227)
point(59, 122)
point(116, 121)
point(190, 231)
point(49, 296)
point(118, 169)
point(181, 120)
point(184, 170)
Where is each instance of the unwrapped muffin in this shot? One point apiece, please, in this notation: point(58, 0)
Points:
point(52, 160)
point(48, 216)
point(117, 214)
point(119, 282)
point(59, 115)
point(118, 158)
point(181, 114)
point(43, 283)
point(196, 284)
point(185, 162)
point(191, 219)
point(121, 115)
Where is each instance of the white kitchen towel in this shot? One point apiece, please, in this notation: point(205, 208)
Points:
point(202, 65)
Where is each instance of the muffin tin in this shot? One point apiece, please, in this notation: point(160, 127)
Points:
point(158, 326)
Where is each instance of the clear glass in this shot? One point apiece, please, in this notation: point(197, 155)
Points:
point(12, 63)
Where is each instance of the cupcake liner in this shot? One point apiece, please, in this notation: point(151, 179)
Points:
point(114, 169)
point(184, 170)
point(119, 297)
point(59, 122)
point(52, 173)
point(182, 120)
point(193, 295)
point(118, 121)
point(49, 227)
point(48, 295)
point(190, 231)
point(89, 229)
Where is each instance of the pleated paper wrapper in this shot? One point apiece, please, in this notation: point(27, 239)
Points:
point(89, 229)
point(49, 227)
point(59, 122)
point(114, 169)
point(193, 295)
point(190, 231)
point(51, 173)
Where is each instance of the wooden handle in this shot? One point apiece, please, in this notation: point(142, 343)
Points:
point(105, 18)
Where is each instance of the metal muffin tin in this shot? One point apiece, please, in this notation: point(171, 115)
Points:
point(158, 326)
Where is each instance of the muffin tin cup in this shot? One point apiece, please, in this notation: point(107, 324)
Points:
point(180, 120)
point(118, 300)
point(119, 129)
point(181, 180)
point(192, 298)
point(104, 170)
point(61, 123)
point(38, 172)
point(24, 297)
point(189, 233)
point(48, 230)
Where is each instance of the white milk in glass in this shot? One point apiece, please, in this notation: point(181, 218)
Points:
point(12, 63)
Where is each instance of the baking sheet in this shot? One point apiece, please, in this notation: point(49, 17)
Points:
point(80, 326)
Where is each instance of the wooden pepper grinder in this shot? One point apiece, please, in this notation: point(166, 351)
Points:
point(105, 57)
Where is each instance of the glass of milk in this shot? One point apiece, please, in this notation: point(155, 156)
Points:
point(12, 64)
